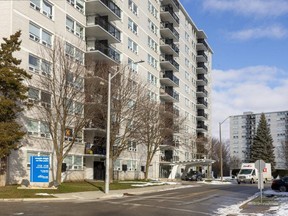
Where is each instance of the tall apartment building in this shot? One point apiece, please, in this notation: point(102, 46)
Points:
point(243, 128)
point(120, 32)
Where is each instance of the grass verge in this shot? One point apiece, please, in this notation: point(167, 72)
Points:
point(11, 192)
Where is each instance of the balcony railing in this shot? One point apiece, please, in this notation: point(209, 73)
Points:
point(169, 8)
point(202, 89)
point(170, 91)
point(202, 53)
point(112, 6)
point(202, 126)
point(202, 113)
point(170, 26)
point(94, 149)
point(171, 44)
point(169, 75)
point(202, 78)
point(202, 101)
point(201, 40)
point(202, 65)
point(170, 59)
point(109, 51)
point(108, 27)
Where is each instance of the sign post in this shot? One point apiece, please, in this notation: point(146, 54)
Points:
point(39, 171)
point(260, 165)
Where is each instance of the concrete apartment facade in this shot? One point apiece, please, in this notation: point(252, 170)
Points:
point(177, 61)
point(244, 127)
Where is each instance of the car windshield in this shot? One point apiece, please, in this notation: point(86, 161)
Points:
point(245, 171)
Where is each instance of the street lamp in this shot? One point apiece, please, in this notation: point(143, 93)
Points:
point(221, 157)
point(107, 177)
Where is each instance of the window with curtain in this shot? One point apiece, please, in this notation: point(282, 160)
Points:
point(34, 63)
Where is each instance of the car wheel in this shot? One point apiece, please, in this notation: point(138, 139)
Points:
point(282, 188)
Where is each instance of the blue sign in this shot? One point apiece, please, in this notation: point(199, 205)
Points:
point(39, 171)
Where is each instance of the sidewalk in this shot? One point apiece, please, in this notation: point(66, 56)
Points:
point(93, 195)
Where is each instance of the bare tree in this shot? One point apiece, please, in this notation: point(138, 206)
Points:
point(216, 156)
point(62, 99)
point(156, 128)
point(127, 96)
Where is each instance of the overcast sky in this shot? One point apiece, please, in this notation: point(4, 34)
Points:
point(250, 62)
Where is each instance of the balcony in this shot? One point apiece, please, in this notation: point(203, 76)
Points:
point(102, 52)
point(202, 45)
point(168, 94)
point(168, 31)
point(175, 4)
point(201, 91)
point(103, 29)
point(94, 149)
point(201, 126)
point(167, 14)
point(201, 56)
point(168, 79)
point(201, 103)
point(201, 80)
point(103, 7)
point(201, 68)
point(168, 47)
point(201, 115)
point(168, 63)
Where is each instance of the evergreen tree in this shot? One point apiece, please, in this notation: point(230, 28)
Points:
point(262, 146)
point(12, 93)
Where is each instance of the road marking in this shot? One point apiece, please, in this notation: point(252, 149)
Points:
point(198, 200)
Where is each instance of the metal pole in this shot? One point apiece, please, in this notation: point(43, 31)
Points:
point(107, 176)
point(221, 159)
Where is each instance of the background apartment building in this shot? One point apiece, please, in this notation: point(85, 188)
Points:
point(177, 62)
point(243, 128)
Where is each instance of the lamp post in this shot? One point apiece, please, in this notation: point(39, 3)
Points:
point(220, 142)
point(107, 165)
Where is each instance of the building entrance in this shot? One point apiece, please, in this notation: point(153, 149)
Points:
point(99, 170)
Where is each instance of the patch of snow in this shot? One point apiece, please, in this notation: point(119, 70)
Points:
point(43, 194)
point(215, 182)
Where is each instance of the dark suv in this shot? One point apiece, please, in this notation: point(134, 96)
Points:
point(193, 176)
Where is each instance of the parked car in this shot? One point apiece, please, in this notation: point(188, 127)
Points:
point(193, 176)
point(280, 184)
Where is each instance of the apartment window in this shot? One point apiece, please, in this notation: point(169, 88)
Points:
point(133, 67)
point(152, 44)
point(74, 81)
point(187, 89)
point(152, 79)
point(133, 7)
point(74, 162)
point(74, 107)
point(152, 27)
point(187, 49)
point(40, 35)
point(36, 65)
point(37, 128)
point(132, 46)
point(78, 4)
point(132, 145)
point(74, 27)
point(152, 96)
point(152, 10)
point(43, 7)
point(132, 26)
point(152, 61)
point(131, 165)
point(187, 76)
point(187, 102)
point(74, 53)
point(187, 63)
point(35, 96)
point(186, 36)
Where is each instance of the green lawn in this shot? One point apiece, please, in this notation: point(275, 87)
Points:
point(68, 187)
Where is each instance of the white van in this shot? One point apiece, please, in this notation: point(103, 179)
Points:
point(248, 173)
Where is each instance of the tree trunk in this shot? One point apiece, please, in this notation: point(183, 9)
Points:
point(58, 172)
point(146, 171)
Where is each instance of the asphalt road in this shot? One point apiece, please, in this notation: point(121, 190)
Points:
point(199, 200)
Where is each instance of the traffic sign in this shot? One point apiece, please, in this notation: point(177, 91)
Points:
point(260, 165)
